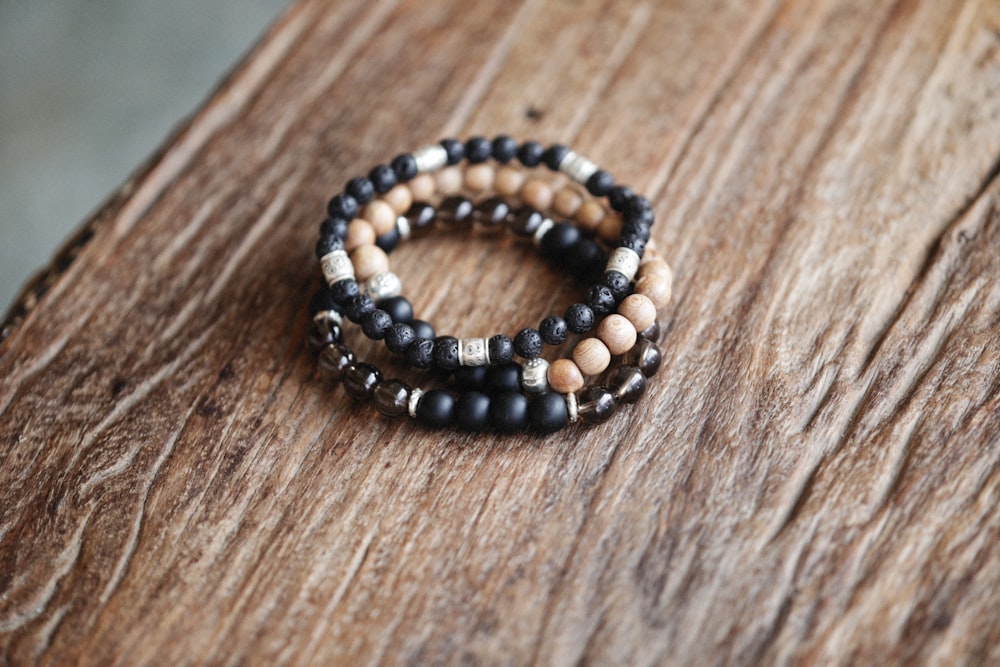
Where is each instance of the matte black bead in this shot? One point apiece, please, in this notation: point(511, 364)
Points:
point(334, 227)
point(344, 290)
point(525, 221)
point(579, 318)
point(618, 197)
point(628, 383)
point(547, 412)
point(501, 349)
point(596, 405)
point(491, 212)
point(472, 411)
point(618, 283)
point(376, 324)
point(558, 240)
point(471, 377)
point(478, 149)
point(392, 398)
point(637, 229)
point(509, 412)
point(399, 337)
point(389, 240)
point(421, 353)
point(553, 156)
point(554, 330)
point(399, 309)
point(601, 300)
point(504, 149)
point(446, 353)
point(528, 343)
point(404, 167)
point(360, 381)
point(455, 150)
point(421, 216)
point(633, 242)
point(644, 355)
point(504, 378)
point(334, 359)
point(343, 206)
point(436, 408)
point(361, 189)
point(383, 178)
point(585, 259)
point(600, 183)
point(638, 209)
point(652, 332)
point(455, 210)
point(358, 308)
point(423, 329)
point(328, 244)
point(530, 153)
point(322, 300)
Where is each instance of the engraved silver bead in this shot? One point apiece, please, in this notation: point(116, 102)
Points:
point(542, 230)
point(403, 225)
point(534, 378)
point(572, 408)
point(430, 157)
point(577, 167)
point(415, 395)
point(336, 266)
point(383, 286)
point(324, 318)
point(624, 260)
point(473, 352)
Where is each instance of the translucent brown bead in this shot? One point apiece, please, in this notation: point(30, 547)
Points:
point(334, 359)
point(645, 356)
point(596, 405)
point(491, 213)
point(360, 381)
point(455, 211)
point(525, 221)
point(628, 383)
point(651, 333)
point(392, 398)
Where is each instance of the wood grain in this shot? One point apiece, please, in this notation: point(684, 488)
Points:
point(813, 477)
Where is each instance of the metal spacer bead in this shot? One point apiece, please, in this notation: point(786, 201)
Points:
point(534, 378)
point(542, 230)
point(336, 266)
point(403, 225)
point(383, 286)
point(577, 167)
point(415, 395)
point(572, 407)
point(623, 260)
point(430, 157)
point(324, 318)
point(473, 352)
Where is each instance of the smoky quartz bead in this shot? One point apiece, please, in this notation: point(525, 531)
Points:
point(360, 381)
point(491, 213)
point(596, 405)
point(421, 216)
point(652, 332)
point(392, 398)
point(525, 221)
point(628, 383)
point(334, 359)
point(455, 211)
point(644, 355)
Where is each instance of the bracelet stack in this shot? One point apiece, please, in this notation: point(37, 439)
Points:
point(607, 247)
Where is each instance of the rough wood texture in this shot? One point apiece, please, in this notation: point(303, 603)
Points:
point(813, 478)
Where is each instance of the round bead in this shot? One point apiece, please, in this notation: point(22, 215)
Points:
point(398, 307)
point(392, 398)
point(651, 333)
point(436, 408)
point(592, 356)
point(420, 353)
point(491, 213)
point(478, 149)
point(579, 318)
point(327, 244)
point(369, 260)
point(525, 221)
point(334, 359)
point(585, 258)
point(656, 282)
point(446, 353)
point(508, 181)
point(509, 412)
point(317, 340)
point(589, 216)
point(421, 216)
point(360, 232)
point(342, 206)
point(547, 412)
point(383, 178)
point(558, 240)
point(553, 330)
point(357, 308)
point(422, 187)
point(601, 300)
point(553, 156)
point(381, 216)
point(567, 202)
point(376, 324)
point(504, 148)
point(536, 193)
point(565, 376)
point(455, 211)
point(360, 381)
point(361, 189)
point(455, 150)
point(400, 198)
point(479, 177)
point(504, 378)
point(344, 290)
point(472, 411)
point(596, 405)
point(600, 183)
point(471, 377)
point(639, 310)
point(383, 286)
point(528, 343)
point(423, 329)
point(618, 197)
point(610, 229)
point(530, 153)
point(501, 349)
point(399, 337)
point(404, 166)
point(645, 356)
point(617, 333)
point(629, 384)
point(449, 181)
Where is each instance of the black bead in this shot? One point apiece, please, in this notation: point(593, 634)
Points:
point(652, 332)
point(506, 377)
point(509, 412)
point(618, 283)
point(628, 383)
point(601, 300)
point(446, 353)
point(637, 229)
point(553, 329)
point(455, 210)
point(548, 413)
point(358, 307)
point(478, 149)
point(530, 153)
point(553, 156)
point(376, 324)
point(436, 408)
point(342, 206)
point(421, 216)
point(491, 212)
point(361, 189)
point(344, 290)
point(399, 309)
point(471, 377)
point(633, 242)
point(328, 244)
point(383, 178)
point(579, 318)
point(528, 343)
point(504, 149)
point(389, 240)
point(638, 209)
point(472, 411)
point(600, 183)
point(501, 349)
point(323, 300)
point(618, 197)
point(404, 166)
point(558, 240)
point(455, 150)
point(423, 329)
point(399, 337)
point(420, 354)
point(360, 381)
point(525, 221)
point(334, 227)
point(585, 259)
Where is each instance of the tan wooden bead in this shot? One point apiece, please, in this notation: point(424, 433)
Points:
point(400, 198)
point(656, 268)
point(537, 193)
point(589, 215)
point(617, 333)
point(360, 232)
point(369, 260)
point(449, 181)
point(657, 288)
point(422, 186)
point(381, 215)
point(591, 356)
point(567, 202)
point(639, 309)
point(509, 181)
point(565, 376)
point(610, 229)
point(479, 177)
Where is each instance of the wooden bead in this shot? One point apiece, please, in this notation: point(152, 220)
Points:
point(381, 215)
point(639, 309)
point(617, 333)
point(509, 181)
point(369, 260)
point(656, 268)
point(537, 194)
point(479, 178)
point(449, 181)
point(360, 232)
point(422, 186)
point(567, 202)
point(589, 216)
point(565, 376)
point(657, 288)
point(400, 198)
point(591, 356)
point(610, 229)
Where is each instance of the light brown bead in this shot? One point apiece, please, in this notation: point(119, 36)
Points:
point(422, 186)
point(537, 194)
point(479, 177)
point(656, 268)
point(591, 356)
point(369, 260)
point(589, 215)
point(656, 287)
point(400, 198)
point(617, 333)
point(381, 215)
point(449, 181)
point(509, 181)
point(565, 376)
point(567, 202)
point(639, 309)
point(610, 229)
point(360, 232)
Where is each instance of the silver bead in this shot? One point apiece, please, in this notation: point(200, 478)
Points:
point(324, 318)
point(415, 395)
point(383, 286)
point(572, 407)
point(624, 260)
point(336, 266)
point(542, 230)
point(534, 378)
point(473, 352)
point(403, 225)
point(430, 157)
point(577, 167)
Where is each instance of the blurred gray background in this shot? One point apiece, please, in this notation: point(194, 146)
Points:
point(88, 89)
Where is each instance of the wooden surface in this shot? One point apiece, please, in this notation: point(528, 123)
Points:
point(813, 477)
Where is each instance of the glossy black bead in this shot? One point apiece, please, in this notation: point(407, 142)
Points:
point(509, 412)
point(618, 197)
point(501, 349)
point(361, 189)
point(342, 206)
point(472, 411)
point(628, 383)
point(446, 353)
point(600, 183)
point(360, 381)
point(423, 329)
point(420, 353)
point(506, 377)
point(376, 324)
point(558, 240)
point(399, 309)
point(525, 221)
point(585, 259)
point(618, 283)
point(334, 359)
point(328, 244)
point(436, 408)
point(344, 290)
point(553, 156)
point(504, 149)
point(358, 307)
point(334, 227)
point(322, 299)
point(596, 405)
point(528, 343)
point(478, 149)
point(399, 337)
point(471, 377)
point(455, 210)
point(553, 330)
point(383, 178)
point(421, 216)
point(644, 355)
point(530, 153)
point(579, 318)
point(491, 212)
point(547, 412)
point(404, 167)
point(392, 398)
point(455, 150)
point(389, 240)
point(601, 300)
